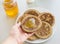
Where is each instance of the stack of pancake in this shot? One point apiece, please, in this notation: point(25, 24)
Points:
point(39, 23)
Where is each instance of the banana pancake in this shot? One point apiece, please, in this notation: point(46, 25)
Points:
point(32, 12)
point(31, 23)
point(21, 18)
point(45, 31)
point(47, 17)
point(33, 37)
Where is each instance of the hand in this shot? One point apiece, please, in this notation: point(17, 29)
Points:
point(18, 34)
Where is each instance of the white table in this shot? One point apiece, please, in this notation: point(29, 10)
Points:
point(52, 5)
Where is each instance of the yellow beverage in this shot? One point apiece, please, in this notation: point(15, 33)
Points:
point(11, 8)
point(7, 0)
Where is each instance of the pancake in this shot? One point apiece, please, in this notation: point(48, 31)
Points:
point(29, 12)
point(31, 23)
point(32, 12)
point(33, 37)
point(47, 17)
point(21, 18)
point(45, 31)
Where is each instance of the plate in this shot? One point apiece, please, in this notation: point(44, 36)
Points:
point(40, 10)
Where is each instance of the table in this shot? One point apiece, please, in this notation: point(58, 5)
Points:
point(52, 5)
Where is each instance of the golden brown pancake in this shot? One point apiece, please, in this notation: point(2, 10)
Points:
point(32, 12)
point(47, 17)
point(21, 18)
point(31, 23)
point(33, 37)
point(29, 12)
point(45, 31)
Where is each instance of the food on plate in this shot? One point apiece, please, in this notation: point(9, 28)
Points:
point(33, 37)
point(47, 17)
point(40, 23)
point(45, 31)
point(32, 12)
point(31, 23)
point(29, 12)
point(21, 18)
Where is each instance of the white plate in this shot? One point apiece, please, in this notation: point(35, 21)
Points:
point(40, 40)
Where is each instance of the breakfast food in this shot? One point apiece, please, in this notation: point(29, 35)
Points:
point(33, 37)
point(21, 18)
point(40, 23)
point(45, 31)
point(47, 17)
point(29, 12)
point(32, 12)
point(31, 23)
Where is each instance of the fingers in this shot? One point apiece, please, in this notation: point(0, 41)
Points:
point(15, 29)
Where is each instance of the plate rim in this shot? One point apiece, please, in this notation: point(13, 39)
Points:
point(36, 8)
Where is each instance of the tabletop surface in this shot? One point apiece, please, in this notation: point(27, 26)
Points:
point(52, 5)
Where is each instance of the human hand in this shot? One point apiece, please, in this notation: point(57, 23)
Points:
point(18, 34)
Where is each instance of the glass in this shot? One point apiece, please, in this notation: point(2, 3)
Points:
point(11, 8)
